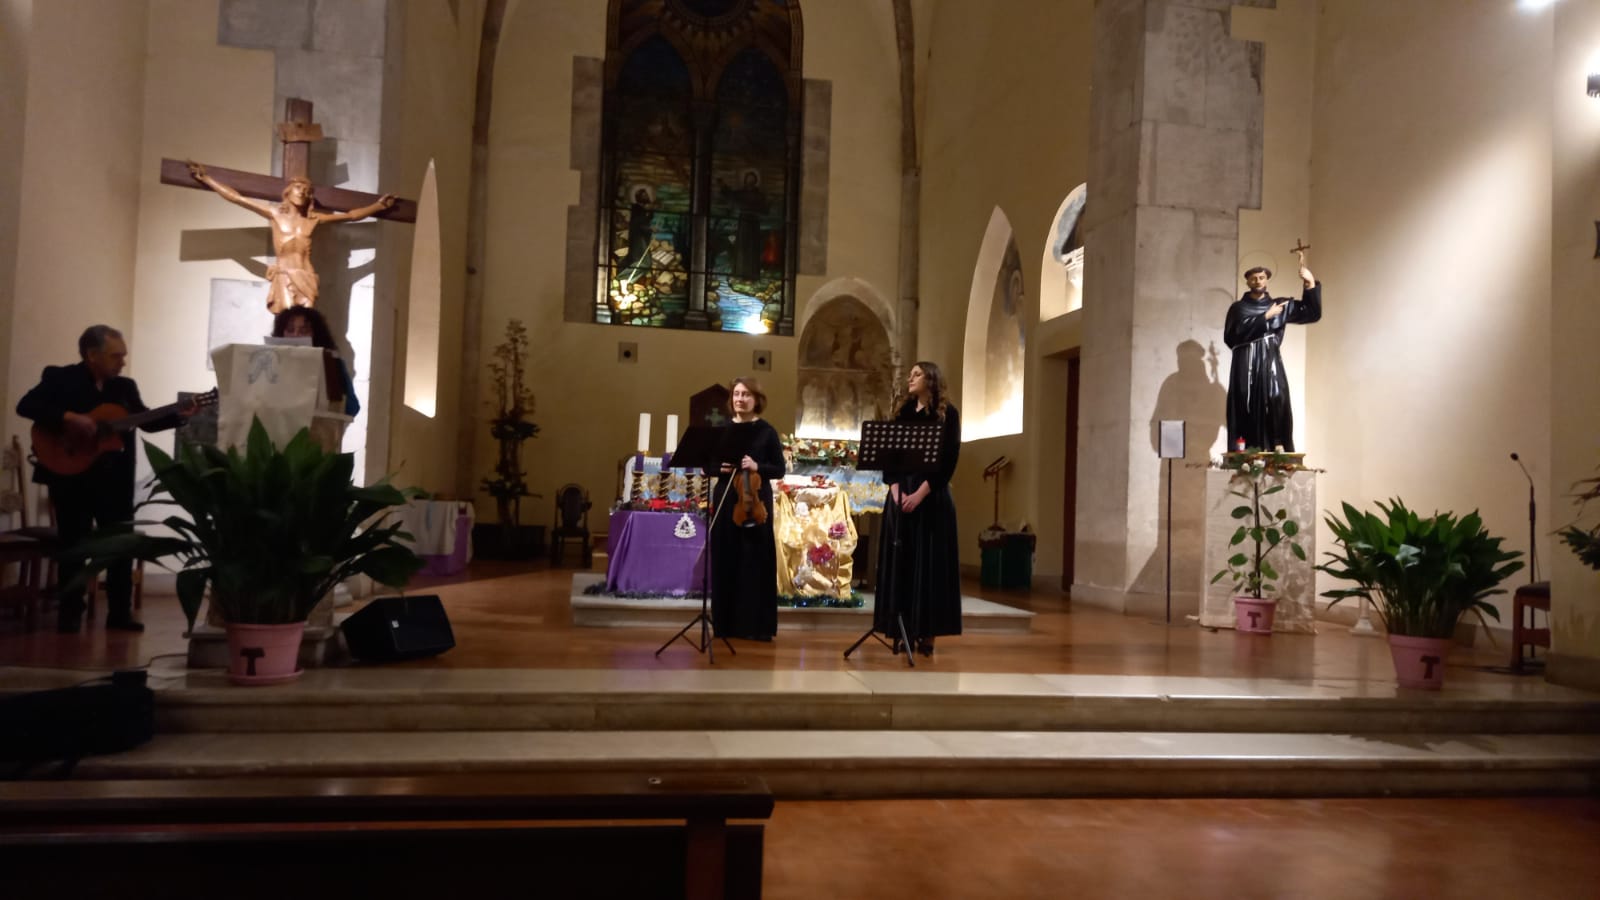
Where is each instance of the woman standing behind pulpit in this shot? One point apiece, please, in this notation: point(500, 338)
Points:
point(744, 555)
point(919, 557)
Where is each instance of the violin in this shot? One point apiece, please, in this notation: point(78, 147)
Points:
point(748, 510)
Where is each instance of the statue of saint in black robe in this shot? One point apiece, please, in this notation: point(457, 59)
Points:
point(1258, 392)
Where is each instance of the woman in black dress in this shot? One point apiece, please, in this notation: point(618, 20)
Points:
point(919, 557)
point(744, 557)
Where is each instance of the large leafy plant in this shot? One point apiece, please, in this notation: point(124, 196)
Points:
point(270, 531)
point(1420, 574)
point(1585, 542)
point(1262, 529)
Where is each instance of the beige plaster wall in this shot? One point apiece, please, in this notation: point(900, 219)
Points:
point(1574, 328)
point(587, 401)
point(206, 103)
point(428, 117)
point(1006, 124)
point(1431, 219)
point(15, 29)
point(77, 191)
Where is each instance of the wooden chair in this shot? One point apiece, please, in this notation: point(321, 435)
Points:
point(571, 523)
point(1529, 597)
point(30, 552)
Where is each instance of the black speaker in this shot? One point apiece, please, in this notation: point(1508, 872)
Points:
point(390, 629)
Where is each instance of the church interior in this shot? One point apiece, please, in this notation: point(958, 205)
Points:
point(606, 210)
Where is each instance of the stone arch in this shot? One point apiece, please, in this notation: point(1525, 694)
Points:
point(994, 353)
point(846, 287)
point(846, 368)
point(1061, 269)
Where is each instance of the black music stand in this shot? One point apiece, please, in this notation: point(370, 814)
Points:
point(899, 447)
point(702, 447)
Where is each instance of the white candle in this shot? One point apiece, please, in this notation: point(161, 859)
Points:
point(672, 433)
point(644, 432)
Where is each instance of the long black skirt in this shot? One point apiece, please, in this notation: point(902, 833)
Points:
point(744, 580)
point(919, 569)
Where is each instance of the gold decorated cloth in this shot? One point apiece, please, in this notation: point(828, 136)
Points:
point(815, 537)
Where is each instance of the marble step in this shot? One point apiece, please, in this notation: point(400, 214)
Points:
point(400, 699)
point(917, 763)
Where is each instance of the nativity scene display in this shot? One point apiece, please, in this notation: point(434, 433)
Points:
point(699, 167)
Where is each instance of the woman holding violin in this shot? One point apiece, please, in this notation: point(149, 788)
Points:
point(744, 555)
point(919, 557)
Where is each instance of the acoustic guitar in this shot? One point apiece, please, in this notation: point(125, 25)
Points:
point(66, 453)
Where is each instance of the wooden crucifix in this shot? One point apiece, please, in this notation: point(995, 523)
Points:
point(293, 204)
point(1299, 249)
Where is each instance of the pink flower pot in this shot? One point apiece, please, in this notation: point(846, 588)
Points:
point(264, 654)
point(1253, 616)
point(1419, 662)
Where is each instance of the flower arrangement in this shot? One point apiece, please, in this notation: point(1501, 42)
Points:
point(817, 450)
point(1255, 477)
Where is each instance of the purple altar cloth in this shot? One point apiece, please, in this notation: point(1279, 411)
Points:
point(647, 557)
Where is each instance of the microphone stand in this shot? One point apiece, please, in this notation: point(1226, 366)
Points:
point(1533, 516)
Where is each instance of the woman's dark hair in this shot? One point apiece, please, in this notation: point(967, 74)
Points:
point(751, 385)
point(320, 335)
point(937, 389)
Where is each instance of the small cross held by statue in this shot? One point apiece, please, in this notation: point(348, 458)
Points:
point(1299, 249)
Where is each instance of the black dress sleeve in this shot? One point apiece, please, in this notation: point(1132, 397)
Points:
point(949, 449)
point(768, 454)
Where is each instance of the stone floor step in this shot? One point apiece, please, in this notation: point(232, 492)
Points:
point(402, 699)
point(858, 764)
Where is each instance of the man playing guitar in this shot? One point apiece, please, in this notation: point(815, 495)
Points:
point(102, 494)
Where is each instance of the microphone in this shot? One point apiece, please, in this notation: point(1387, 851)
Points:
point(1533, 548)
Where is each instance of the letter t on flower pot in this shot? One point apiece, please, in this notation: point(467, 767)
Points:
point(1261, 530)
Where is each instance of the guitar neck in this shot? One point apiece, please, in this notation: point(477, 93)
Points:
point(128, 423)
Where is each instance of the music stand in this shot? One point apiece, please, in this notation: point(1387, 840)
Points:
point(702, 448)
point(899, 447)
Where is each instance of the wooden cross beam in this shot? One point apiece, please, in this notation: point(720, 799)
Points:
point(296, 134)
point(1300, 247)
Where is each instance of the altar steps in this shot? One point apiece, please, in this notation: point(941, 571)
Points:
point(874, 733)
point(861, 764)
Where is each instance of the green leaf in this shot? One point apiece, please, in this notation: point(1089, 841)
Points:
point(1238, 559)
point(1239, 512)
point(1297, 551)
point(1291, 528)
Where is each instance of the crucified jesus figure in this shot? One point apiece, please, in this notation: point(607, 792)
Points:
point(293, 280)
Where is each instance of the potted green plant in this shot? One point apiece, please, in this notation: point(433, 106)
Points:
point(270, 532)
point(510, 427)
point(1421, 575)
point(1584, 542)
point(1262, 530)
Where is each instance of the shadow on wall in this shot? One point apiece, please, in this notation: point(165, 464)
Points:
point(1195, 394)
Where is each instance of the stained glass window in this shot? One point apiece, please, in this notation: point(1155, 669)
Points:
point(701, 159)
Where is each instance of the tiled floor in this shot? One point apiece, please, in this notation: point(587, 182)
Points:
point(511, 617)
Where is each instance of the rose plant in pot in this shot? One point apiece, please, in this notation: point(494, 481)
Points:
point(270, 532)
point(1421, 574)
point(1262, 531)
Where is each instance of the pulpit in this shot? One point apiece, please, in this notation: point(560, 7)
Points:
point(287, 387)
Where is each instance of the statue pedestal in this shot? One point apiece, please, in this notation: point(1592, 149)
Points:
point(1296, 593)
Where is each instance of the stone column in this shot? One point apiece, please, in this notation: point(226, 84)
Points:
point(1175, 144)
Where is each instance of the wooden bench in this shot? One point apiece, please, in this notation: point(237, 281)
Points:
point(479, 835)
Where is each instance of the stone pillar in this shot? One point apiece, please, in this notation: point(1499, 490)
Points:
point(1175, 145)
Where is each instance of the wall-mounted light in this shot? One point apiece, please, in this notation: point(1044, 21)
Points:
point(1593, 71)
point(1534, 5)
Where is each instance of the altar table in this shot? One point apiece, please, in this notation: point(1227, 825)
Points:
point(655, 553)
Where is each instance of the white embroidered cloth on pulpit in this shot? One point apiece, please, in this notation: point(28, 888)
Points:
point(284, 386)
